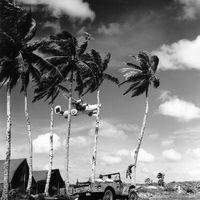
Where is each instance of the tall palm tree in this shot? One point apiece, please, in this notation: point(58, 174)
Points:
point(70, 58)
point(17, 29)
point(95, 58)
point(8, 76)
point(140, 75)
point(42, 86)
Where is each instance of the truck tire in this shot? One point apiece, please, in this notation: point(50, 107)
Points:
point(132, 195)
point(109, 195)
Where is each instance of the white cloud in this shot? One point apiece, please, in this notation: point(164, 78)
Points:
point(111, 29)
point(182, 55)
point(194, 152)
point(41, 143)
point(171, 155)
point(108, 159)
point(179, 109)
point(191, 8)
point(164, 95)
point(128, 127)
point(167, 142)
point(73, 8)
point(110, 130)
point(144, 156)
point(123, 152)
point(80, 141)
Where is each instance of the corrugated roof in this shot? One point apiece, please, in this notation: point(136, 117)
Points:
point(14, 164)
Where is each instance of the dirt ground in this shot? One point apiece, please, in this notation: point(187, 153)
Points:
point(173, 196)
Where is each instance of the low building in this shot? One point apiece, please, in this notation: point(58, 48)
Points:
point(56, 181)
point(18, 177)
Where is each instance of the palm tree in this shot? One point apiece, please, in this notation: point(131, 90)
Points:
point(42, 86)
point(148, 181)
point(101, 66)
point(161, 177)
point(140, 75)
point(68, 56)
point(17, 29)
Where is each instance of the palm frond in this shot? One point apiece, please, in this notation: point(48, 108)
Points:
point(140, 88)
point(134, 66)
point(96, 57)
point(106, 61)
point(64, 89)
point(31, 31)
point(83, 46)
point(111, 78)
point(56, 60)
point(132, 86)
point(156, 82)
point(154, 63)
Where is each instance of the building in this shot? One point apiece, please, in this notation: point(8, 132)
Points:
point(19, 172)
point(56, 181)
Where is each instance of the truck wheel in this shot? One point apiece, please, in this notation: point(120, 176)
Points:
point(108, 195)
point(132, 195)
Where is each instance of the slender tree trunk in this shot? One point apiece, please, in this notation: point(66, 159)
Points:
point(50, 153)
point(30, 160)
point(94, 157)
point(68, 136)
point(5, 194)
point(140, 138)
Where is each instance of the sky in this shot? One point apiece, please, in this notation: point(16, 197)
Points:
point(167, 28)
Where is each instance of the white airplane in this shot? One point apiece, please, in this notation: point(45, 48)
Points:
point(79, 108)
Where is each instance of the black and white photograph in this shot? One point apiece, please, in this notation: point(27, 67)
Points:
point(100, 99)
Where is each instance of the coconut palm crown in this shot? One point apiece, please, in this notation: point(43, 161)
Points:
point(101, 64)
point(141, 74)
point(68, 56)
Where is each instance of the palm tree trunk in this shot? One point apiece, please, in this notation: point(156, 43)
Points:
point(8, 147)
point(50, 153)
point(140, 138)
point(30, 161)
point(68, 135)
point(94, 157)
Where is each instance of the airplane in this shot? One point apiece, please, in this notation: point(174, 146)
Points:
point(79, 108)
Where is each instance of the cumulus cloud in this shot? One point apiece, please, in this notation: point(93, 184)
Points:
point(191, 9)
point(171, 155)
point(194, 152)
point(178, 108)
point(109, 159)
point(144, 156)
point(128, 127)
point(41, 143)
point(73, 8)
point(110, 130)
point(182, 55)
point(167, 142)
point(123, 152)
point(80, 141)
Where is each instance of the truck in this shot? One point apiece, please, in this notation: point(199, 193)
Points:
point(106, 187)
